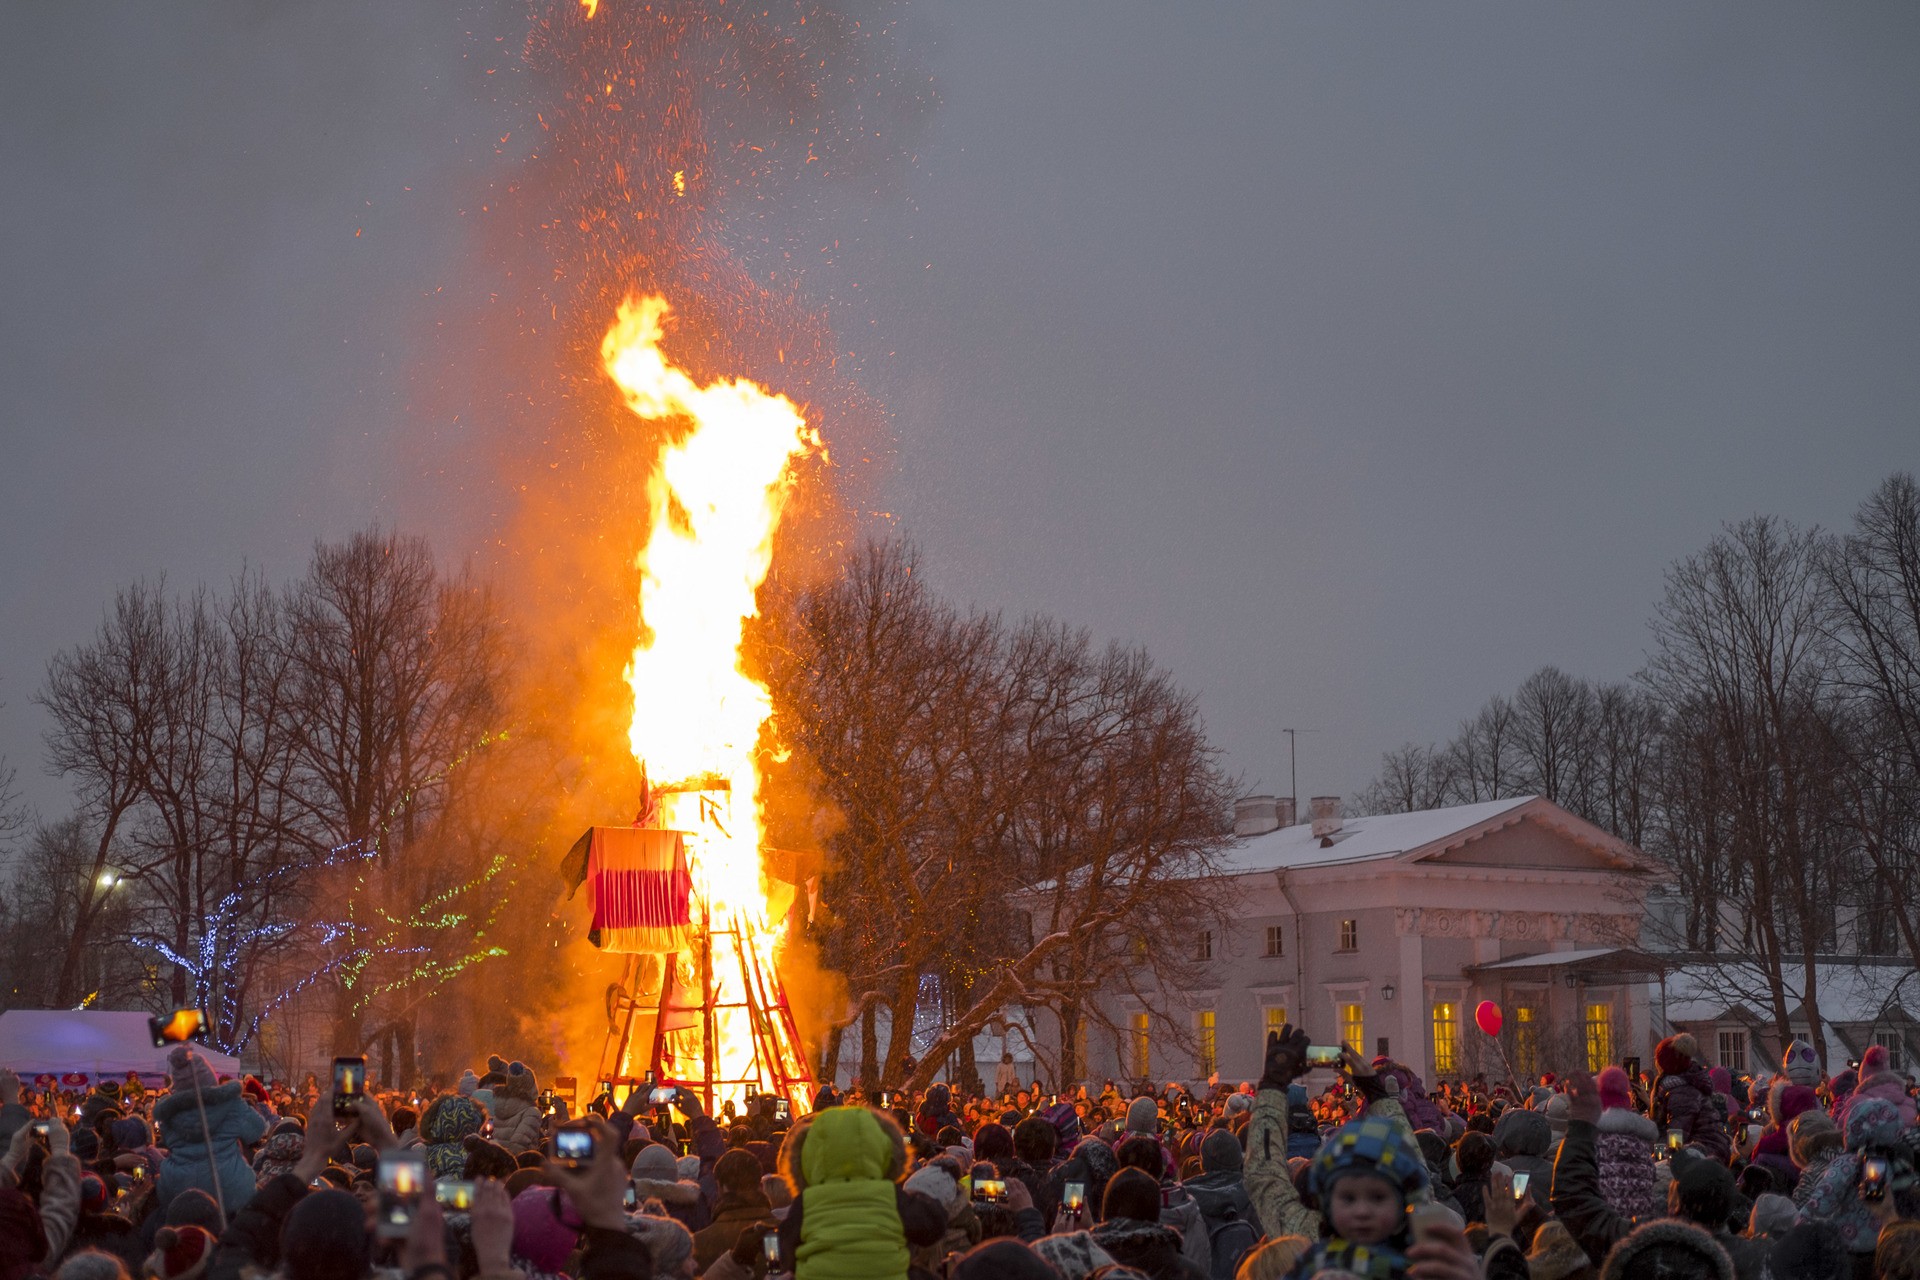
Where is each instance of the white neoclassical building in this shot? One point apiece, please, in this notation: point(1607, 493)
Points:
point(1387, 931)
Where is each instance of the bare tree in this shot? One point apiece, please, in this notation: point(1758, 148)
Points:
point(1411, 778)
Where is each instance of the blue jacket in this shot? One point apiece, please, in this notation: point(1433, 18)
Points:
point(191, 1159)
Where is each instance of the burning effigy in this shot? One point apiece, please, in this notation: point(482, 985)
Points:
point(686, 891)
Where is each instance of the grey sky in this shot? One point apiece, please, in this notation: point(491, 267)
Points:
point(1357, 359)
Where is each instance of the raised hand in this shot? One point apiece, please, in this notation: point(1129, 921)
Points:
point(1286, 1057)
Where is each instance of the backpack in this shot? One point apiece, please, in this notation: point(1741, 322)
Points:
point(1231, 1238)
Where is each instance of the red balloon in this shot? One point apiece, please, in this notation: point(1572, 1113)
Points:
point(1487, 1015)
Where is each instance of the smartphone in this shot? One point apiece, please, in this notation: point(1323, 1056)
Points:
point(456, 1194)
point(646, 1078)
point(1323, 1055)
point(664, 1096)
point(402, 1177)
point(546, 1102)
point(782, 1109)
point(990, 1190)
point(605, 1087)
point(138, 1171)
point(178, 1027)
point(1675, 1140)
point(349, 1085)
point(1427, 1218)
point(1074, 1196)
point(770, 1246)
point(630, 1198)
point(42, 1128)
point(1873, 1178)
point(1520, 1180)
point(1632, 1067)
point(572, 1146)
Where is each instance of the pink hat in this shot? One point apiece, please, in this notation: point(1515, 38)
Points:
point(1616, 1091)
point(1873, 1061)
point(539, 1235)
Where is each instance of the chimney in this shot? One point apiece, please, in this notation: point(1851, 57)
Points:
point(1255, 815)
point(1283, 810)
point(1326, 818)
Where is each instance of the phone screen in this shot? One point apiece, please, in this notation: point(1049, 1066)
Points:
point(1873, 1178)
point(1075, 1195)
point(1520, 1184)
point(457, 1194)
point(665, 1095)
point(782, 1110)
point(770, 1246)
point(992, 1190)
point(402, 1177)
point(573, 1147)
point(349, 1084)
point(1323, 1054)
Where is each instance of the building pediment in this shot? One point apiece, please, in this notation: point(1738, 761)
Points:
point(1536, 836)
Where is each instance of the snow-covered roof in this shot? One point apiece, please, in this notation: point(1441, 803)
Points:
point(1423, 833)
point(1554, 959)
point(1855, 994)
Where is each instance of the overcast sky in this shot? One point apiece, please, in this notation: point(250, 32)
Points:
point(1357, 359)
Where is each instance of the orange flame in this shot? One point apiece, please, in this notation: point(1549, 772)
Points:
point(714, 501)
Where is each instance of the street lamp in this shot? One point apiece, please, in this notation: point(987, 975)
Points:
point(108, 880)
point(1387, 991)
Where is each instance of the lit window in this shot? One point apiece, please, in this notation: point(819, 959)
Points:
point(1446, 1036)
point(1276, 944)
point(1353, 1026)
point(1896, 1048)
point(1142, 1048)
point(1203, 1034)
point(1599, 1036)
point(1526, 1042)
point(1203, 947)
point(1349, 935)
point(1733, 1050)
point(1276, 1018)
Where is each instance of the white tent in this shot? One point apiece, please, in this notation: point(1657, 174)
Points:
point(100, 1044)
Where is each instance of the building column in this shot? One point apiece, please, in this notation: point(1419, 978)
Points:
point(1410, 1028)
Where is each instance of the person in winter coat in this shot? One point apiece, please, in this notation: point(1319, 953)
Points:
point(1784, 1103)
point(1684, 1098)
point(449, 1121)
point(1092, 1164)
point(1422, 1112)
point(1833, 1192)
point(850, 1219)
point(204, 1127)
point(1877, 1080)
point(516, 1111)
point(742, 1204)
point(1226, 1211)
point(1177, 1207)
point(1520, 1141)
point(1667, 1247)
point(655, 1173)
point(1472, 1163)
point(1813, 1140)
point(1132, 1234)
point(936, 1112)
point(1624, 1150)
point(940, 1183)
point(1800, 1064)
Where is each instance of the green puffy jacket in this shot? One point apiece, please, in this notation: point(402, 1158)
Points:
point(851, 1229)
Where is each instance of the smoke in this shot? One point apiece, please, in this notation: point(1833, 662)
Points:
point(689, 150)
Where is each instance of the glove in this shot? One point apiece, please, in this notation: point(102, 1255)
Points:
point(1286, 1057)
point(747, 1248)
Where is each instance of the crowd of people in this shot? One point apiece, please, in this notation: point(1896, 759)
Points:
point(1343, 1169)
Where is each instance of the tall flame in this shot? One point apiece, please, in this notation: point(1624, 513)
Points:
point(713, 501)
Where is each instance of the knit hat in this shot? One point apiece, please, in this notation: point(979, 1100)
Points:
point(251, 1086)
point(180, 1253)
point(468, 1083)
point(1874, 1061)
point(655, 1163)
point(937, 1184)
point(738, 1170)
point(1800, 1064)
point(188, 1069)
point(93, 1193)
point(23, 1241)
point(539, 1235)
point(1773, 1215)
point(1238, 1102)
point(1559, 1110)
point(687, 1168)
point(518, 1084)
point(1473, 1155)
point(1721, 1079)
point(193, 1207)
point(1616, 1090)
point(487, 1159)
point(278, 1154)
point(1073, 1254)
point(1685, 1248)
point(131, 1133)
point(1003, 1259)
point(1810, 1133)
point(669, 1243)
point(992, 1141)
point(1143, 1115)
point(325, 1238)
point(1220, 1152)
point(1706, 1189)
point(1371, 1144)
point(1554, 1255)
point(1675, 1054)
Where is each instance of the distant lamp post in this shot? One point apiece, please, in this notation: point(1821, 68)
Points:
point(1386, 992)
point(108, 880)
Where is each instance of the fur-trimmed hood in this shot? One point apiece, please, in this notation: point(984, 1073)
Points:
point(1624, 1262)
point(1620, 1120)
point(667, 1193)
